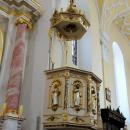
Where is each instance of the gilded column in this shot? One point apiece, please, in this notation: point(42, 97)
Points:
point(23, 23)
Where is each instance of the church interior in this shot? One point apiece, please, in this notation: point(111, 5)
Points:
point(64, 64)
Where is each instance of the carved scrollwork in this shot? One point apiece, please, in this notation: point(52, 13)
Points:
point(77, 119)
point(52, 118)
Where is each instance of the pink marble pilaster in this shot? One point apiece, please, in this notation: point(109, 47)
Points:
point(16, 69)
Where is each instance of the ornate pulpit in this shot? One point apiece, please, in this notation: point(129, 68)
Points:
point(72, 99)
point(72, 94)
point(112, 119)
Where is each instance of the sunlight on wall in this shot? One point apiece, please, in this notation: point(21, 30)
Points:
point(121, 87)
point(1, 46)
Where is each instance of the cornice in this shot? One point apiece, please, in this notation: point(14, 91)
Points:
point(31, 7)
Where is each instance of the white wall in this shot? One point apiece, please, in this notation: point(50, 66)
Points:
point(37, 62)
point(84, 52)
point(115, 35)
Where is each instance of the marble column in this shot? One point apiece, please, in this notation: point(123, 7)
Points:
point(17, 69)
point(13, 111)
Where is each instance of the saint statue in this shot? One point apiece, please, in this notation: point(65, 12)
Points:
point(77, 97)
point(55, 97)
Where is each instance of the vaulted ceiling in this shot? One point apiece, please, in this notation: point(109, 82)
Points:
point(118, 12)
point(123, 22)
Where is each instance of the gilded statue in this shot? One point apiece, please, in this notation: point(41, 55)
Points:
point(55, 96)
point(55, 93)
point(77, 95)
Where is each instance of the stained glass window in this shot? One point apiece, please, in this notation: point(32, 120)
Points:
point(74, 52)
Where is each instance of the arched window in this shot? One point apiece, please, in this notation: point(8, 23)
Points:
point(120, 77)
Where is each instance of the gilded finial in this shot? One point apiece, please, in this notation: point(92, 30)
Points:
point(72, 2)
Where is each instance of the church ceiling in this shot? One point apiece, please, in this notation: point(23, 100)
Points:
point(117, 11)
point(100, 3)
point(123, 22)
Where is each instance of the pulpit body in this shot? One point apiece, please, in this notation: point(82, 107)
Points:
point(72, 99)
point(72, 94)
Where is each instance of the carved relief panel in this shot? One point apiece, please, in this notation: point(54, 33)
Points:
point(72, 99)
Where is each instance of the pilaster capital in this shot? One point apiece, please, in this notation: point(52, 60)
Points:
point(23, 10)
point(24, 18)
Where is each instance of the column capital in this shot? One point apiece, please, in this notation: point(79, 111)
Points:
point(24, 18)
point(22, 9)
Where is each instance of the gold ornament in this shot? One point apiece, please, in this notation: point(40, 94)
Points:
point(24, 18)
point(70, 24)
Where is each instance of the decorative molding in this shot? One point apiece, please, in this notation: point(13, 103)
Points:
point(24, 18)
point(22, 6)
